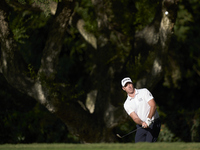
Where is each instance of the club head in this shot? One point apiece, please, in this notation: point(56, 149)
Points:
point(118, 136)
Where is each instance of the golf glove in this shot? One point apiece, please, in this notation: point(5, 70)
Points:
point(149, 121)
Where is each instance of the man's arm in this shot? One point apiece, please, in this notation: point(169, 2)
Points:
point(152, 111)
point(135, 118)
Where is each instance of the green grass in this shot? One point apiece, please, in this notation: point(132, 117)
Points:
point(104, 146)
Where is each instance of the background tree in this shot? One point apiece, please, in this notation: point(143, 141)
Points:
point(181, 79)
point(73, 59)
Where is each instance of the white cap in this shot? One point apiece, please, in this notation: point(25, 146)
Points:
point(126, 80)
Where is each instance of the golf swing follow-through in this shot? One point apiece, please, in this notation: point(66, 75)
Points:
point(141, 107)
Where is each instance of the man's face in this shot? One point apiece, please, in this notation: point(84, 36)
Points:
point(129, 88)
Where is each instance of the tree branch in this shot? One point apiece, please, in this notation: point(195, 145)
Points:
point(55, 39)
point(35, 7)
point(12, 64)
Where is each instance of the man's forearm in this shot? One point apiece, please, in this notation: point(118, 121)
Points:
point(135, 118)
point(138, 121)
point(152, 111)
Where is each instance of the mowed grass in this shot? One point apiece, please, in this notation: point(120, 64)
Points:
point(104, 146)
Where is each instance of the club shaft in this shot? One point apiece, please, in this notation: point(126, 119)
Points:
point(130, 132)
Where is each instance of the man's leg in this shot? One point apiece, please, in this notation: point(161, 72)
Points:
point(140, 135)
point(153, 132)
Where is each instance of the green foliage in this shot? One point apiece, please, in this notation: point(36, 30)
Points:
point(22, 1)
point(18, 26)
point(167, 136)
point(26, 26)
point(146, 10)
point(176, 96)
point(20, 34)
point(133, 15)
point(23, 120)
point(195, 129)
point(183, 20)
point(31, 72)
point(44, 5)
point(85, 9)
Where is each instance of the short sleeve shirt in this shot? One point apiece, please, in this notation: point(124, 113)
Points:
point(139, 104)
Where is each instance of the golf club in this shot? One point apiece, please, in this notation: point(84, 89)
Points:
point(128, 133)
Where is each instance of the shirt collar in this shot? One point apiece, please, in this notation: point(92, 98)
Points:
point(136, 92)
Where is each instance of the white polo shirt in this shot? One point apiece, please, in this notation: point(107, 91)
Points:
point(139, 104)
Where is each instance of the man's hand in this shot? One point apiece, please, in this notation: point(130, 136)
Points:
point(144, 125)
point(147, 123)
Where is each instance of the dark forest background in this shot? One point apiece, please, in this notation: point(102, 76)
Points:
point(176, 91)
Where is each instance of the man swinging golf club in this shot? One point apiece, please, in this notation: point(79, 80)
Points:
point(141, 107)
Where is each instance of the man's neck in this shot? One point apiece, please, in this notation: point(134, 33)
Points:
point(132, 94)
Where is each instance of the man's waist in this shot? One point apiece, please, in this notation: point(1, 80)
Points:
point(153, 119)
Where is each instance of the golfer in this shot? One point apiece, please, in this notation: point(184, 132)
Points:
point(141, 107)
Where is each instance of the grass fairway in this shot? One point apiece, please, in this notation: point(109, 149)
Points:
point(113, 146)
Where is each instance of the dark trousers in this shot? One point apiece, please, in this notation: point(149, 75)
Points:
point(148, 134)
